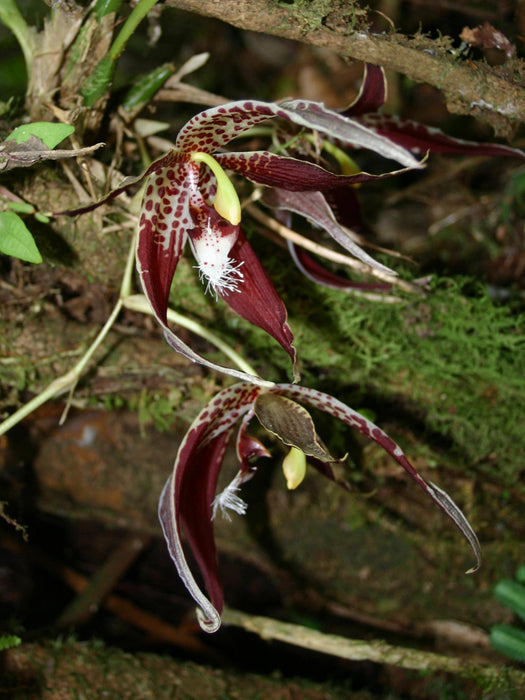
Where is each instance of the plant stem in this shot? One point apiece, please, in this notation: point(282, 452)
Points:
point(132, 22)
point(10, 15)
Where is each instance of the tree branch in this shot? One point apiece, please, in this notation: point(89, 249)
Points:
point(492, 94)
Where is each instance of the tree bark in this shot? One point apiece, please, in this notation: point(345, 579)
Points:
point(492, 94)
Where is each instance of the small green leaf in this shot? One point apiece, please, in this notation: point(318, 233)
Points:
point(21, 207)
point(512, 595)
point(509, 641)
point(16, 239)
point(7, 641)
point(49, 133)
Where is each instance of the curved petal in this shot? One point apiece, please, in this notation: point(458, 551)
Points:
point(355, 420)
point(215, 127)
point(372, 94)
point(291, 174)
point(163, 222)
point(315, 272)
point(314, 207)
point(186, 501)
point(257, 301)
point(346, 207)
point(316, 116)
point(420, 138)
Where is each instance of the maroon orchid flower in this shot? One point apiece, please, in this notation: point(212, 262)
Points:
point(188, 502)
point(189, 199)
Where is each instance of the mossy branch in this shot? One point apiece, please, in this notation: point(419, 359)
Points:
point(493, 94)
point(487, 676)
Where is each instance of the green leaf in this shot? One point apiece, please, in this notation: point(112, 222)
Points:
point(16, 239)
point(512, 595)
point(49, 133)
point(7, 641)
point(509, 641)
point(21, 207)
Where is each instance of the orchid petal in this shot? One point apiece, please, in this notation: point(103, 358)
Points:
point(316, 116)
point(420, 138)
point(292, 174)
point(346, 208)
point(257, 301)
point(354, 419)
point(215, 127)
point(314, 207)
point(186, 501)
point(248, 447)
point(320, 275)
point(372, 94)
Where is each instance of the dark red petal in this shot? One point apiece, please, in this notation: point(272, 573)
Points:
point(248, 447)
point(320, 275)
point(346, 207)
point(420, 138)
point(372, 94)
point(186, 502)
point(217, 126)
point(290, 174)
point(257, 301)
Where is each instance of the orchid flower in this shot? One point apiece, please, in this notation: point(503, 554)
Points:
point(188, 197)
point(337, 209)
point(188, 502)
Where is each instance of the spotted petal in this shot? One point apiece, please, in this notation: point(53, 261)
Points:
point(215, 127)
point(291, 174)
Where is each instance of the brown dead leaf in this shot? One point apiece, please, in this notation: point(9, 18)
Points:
point(485, 36)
